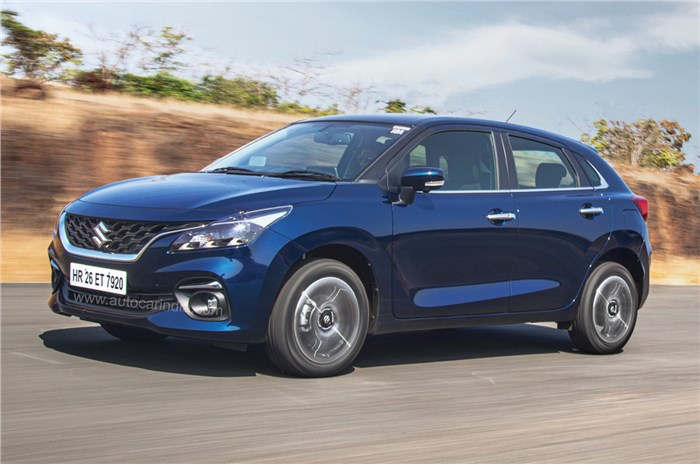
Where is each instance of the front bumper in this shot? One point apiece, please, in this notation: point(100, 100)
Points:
point(249, 277)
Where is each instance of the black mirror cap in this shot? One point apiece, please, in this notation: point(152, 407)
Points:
point(423, 178)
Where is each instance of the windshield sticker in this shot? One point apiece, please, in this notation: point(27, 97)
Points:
point(399, 130)
point(257, 161)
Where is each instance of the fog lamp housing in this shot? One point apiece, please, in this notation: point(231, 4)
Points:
point(206, 305)
point(203, 299)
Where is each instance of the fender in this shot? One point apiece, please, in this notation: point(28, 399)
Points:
point(373, 251)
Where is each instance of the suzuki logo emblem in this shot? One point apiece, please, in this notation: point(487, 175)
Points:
point(100, 238)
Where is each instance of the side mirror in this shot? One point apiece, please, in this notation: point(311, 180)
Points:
point(419, 179)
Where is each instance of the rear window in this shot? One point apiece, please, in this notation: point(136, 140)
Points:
point(593, 176)
point(541, 166)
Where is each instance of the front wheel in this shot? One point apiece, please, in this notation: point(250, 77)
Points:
point(319, 320)
point(608, 311)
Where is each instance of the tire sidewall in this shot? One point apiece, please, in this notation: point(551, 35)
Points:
point(283, 323)
point(585, 314)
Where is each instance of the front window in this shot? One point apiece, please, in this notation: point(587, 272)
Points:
point(336, 150)
point(467, 158)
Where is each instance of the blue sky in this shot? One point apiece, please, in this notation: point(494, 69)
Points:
point(562, 65)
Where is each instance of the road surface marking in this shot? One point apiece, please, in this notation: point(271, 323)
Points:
point(488, 379)
point(31, 356)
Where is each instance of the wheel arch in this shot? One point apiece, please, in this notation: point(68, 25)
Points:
point(362, 253)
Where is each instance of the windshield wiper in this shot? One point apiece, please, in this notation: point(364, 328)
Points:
point(293, 174)
point(236, 170)
point(305, 174)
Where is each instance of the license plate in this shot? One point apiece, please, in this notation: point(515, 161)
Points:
point(98, 278)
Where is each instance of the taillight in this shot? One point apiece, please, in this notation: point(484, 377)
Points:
point(642, 205)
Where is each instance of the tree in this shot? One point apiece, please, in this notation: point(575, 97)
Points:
point(645, 142)
point(399, 106)
point(394, 106)
point(115, 53)
point(37, 54)
point(355, 97)
point(422, 110)
point(302, 77)
point(164, 48)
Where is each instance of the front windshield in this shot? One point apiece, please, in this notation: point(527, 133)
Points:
point(336, 149)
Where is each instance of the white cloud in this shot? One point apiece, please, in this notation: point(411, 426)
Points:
point(462, 61)
point(678, 29)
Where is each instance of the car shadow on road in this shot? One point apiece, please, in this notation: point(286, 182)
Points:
point(193, 357)
point(174, 355)
point(460, 344)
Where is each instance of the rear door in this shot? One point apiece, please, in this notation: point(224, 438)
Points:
point(449, 257)
point(563, 224)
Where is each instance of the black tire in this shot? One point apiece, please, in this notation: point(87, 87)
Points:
point(132, 334)
point(319, 321)
point(607, 313)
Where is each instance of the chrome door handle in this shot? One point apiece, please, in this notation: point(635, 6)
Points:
point(591, 211)
point(500, 217)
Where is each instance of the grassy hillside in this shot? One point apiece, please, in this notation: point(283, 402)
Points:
point(56, 148)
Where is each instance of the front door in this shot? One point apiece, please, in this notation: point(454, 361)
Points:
point(453, 248)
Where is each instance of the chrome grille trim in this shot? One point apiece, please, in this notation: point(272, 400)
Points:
point(118, 257)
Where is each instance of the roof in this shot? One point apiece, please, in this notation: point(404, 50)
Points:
point(434, 120)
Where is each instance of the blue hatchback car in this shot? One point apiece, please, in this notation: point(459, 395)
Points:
point(311, 237)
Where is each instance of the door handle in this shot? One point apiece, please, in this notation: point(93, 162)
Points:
point(500, 217)
point(588, 210)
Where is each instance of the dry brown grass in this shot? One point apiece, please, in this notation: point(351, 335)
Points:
point(56, 149)
point(675, 270)
point(24, 257)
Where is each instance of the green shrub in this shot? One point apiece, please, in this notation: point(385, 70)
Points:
point(243, 92)
point(297, 108)
point(160, 85)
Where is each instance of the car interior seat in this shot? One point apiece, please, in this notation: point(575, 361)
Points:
point(549, 175)
point(464, 172)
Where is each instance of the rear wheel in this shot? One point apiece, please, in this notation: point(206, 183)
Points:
point(319, 321)
point(608, 311)
point(132, 334)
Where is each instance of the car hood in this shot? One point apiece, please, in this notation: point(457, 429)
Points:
point(200, 195)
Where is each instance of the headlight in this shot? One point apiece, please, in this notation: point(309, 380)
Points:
point(237, 230)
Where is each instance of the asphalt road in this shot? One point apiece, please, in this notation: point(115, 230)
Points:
point(71, 393)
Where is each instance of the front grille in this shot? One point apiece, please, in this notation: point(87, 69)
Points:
point(133, 303)
point(125, 237)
